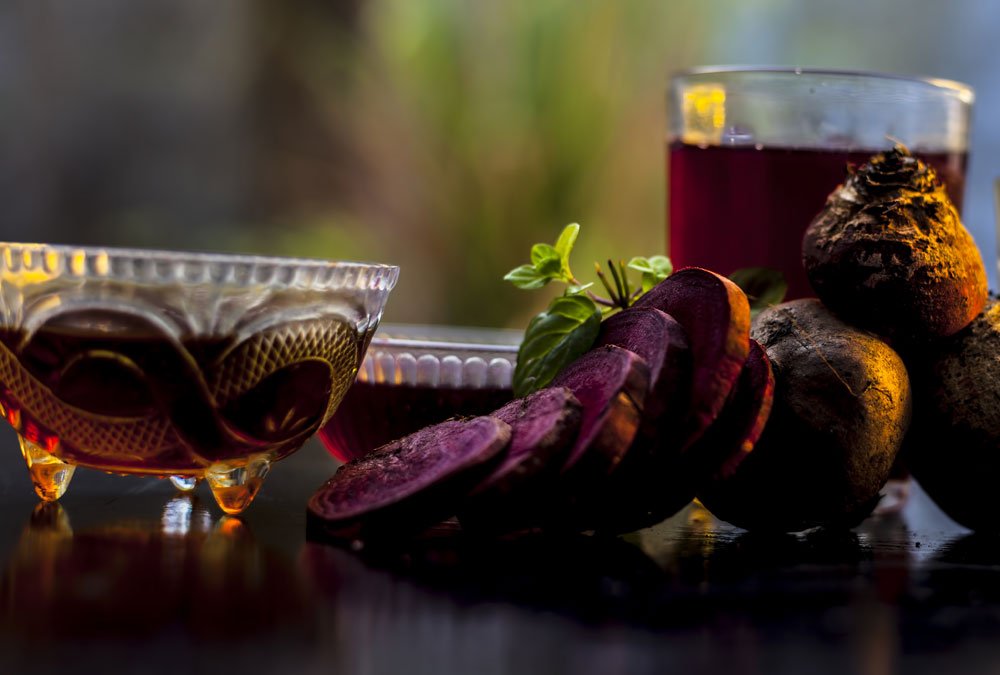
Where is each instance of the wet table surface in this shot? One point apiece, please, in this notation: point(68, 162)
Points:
point(125, 575)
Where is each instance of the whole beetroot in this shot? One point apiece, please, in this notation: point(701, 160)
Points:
point(889, 253)
point(841, 408)
point(953, 449)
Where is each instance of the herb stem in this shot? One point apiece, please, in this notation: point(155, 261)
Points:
point(604, 302)
point(607, 286)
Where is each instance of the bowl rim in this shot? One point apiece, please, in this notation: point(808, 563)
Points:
point(435, 345)
point(180, 256)
point(475, 339)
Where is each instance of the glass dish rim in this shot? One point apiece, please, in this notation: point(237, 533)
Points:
point(963, 91)
point(437, 344)
point(201, 257)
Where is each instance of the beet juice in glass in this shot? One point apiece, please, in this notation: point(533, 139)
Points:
point(752, 154)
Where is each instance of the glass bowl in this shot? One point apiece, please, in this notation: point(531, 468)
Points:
point(187, 365)
point(413, 376)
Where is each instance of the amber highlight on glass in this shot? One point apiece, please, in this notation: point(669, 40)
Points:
point(752, 154)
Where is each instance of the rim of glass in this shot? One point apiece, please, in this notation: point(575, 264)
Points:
point(434, 337)
point(964, 91)
point(208, 257)
point(435, 345)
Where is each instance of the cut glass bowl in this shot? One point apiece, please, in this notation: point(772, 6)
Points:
point(413, 376)
point(187, 365)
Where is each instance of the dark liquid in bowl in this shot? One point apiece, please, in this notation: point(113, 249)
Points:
point(134, 400)
point(373, 414)
point(733, 207)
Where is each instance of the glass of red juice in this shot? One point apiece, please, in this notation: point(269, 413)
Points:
point(413, 376)
point(753, 153)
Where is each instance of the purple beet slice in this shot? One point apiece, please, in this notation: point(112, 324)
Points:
point(731, 438)
point(543, 426)
point(409, 484)
point(640, 492)
point(611, 383)
point(661, 342)
point(715, 315)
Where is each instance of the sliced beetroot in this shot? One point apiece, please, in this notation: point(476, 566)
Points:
point(543, 426)
point(715, 315)
point(639, 493)
point(411, 483)
point(728, 441)
point(662, 343)
point(644, 492)
point(611, 383)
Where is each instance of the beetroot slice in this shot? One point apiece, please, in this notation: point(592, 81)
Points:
point(543, 428)
point(411, 483)
point(513, 496)
point(642, 491)
point(715, 315)
point(731, 438)
point(611, 383)
point(661, 342)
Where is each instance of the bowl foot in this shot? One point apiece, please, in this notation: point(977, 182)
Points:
point(184, 483)
point(49, 474)
point(234, 486)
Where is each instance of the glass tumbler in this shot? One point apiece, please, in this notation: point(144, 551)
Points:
point(752, 154)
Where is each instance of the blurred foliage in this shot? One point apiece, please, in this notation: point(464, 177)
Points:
point(445, 136)
point(479, 128)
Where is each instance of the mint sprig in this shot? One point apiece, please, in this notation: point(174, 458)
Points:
point(556, 337)
point(569, 326)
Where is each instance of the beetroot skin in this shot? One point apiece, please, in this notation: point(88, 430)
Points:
point(715, 315)
point(411, 483)
point(842, 405)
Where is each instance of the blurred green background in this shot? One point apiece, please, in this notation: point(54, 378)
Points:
point(445, 136)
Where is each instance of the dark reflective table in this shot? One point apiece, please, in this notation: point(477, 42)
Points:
point(125, 575)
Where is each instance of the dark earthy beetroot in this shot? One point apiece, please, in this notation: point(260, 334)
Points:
point(514, 496)
point(411, 483)
point(889, 253)
point(953, 448)
point(715, 315)
point(842, 405)
point(611, 383)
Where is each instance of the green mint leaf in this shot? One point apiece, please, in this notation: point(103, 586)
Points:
point(554, 339)
point(526, 277)
point(654, 269)
point(564, 246)
point(764, 287)
point(546, 260)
